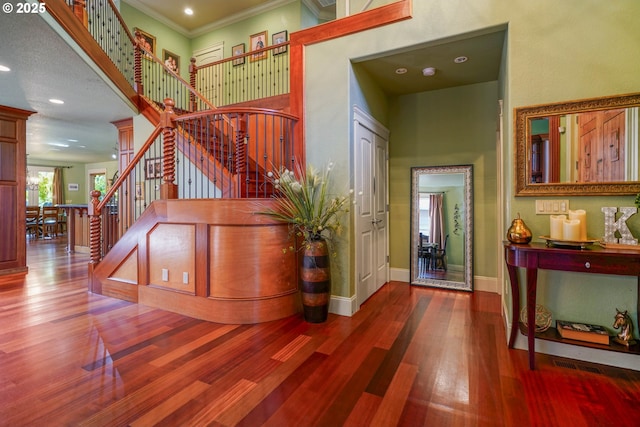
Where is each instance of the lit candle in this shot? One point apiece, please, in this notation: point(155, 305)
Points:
point(556, 226)
point(580, 215)
point(571, 229)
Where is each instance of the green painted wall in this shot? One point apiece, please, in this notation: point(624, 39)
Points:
point(555, 51)
point(445, 127)
point(75, 175)
point(166, 38)
point(287, 17)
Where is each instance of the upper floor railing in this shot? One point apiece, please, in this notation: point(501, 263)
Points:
point(245, 77)
point(108, 29)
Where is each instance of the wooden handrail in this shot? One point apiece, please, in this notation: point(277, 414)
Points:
point(125, 174)
point(65, 17)
point(235, 110)
point(121, 20)
point(244, 55)
point(175, 75)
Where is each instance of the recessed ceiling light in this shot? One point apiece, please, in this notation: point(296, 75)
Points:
point(460, 59)
point(401, 70)
point(56, 101)
point(429, 71)
point(57, 144)
point(4, 68)
point(72, 140)
point(188, 11)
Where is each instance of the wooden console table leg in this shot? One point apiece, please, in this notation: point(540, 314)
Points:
point(515, 303)
point(532, 284)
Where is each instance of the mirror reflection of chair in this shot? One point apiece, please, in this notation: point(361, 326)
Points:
point(33, 220)
point(50, 221)
point(440, 256)
point(424, 254)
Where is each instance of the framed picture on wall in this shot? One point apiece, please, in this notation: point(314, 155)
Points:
point(256, 42)
point(279, 38)
point(238, 50)
point(139, 190)
point(153, 168)
point(147, 40)
point(171, 60)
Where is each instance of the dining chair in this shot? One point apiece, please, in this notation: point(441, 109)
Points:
point(424, 254)
point(440, 255)
point(32, 216)
point(50, 221)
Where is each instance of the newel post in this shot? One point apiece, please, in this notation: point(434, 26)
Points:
point(94, 235)
point(137, 64)
point(193, 73)
point(80, 10)
point(168, 189)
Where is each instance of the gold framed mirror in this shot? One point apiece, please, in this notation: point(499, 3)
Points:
point(586, 147)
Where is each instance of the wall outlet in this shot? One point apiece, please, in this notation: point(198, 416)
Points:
point(185, 278)
point(552, 207)
point(165, 274)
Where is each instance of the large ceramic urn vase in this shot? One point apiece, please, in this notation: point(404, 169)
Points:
point(315, 281)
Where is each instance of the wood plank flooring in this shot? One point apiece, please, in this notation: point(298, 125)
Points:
point(411, 357)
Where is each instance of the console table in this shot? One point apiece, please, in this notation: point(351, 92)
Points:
point(534, 256)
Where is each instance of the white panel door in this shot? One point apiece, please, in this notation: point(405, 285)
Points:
point(209, 85)
point(371, 216)
point(365, 214)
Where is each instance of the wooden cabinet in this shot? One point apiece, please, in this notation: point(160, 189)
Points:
point(536, 256)
point(13, 166)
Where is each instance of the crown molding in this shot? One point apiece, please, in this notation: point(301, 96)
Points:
point(232, 19)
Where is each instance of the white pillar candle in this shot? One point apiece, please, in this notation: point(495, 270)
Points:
point(571, 229)
point(556, 226)
point(580, 215)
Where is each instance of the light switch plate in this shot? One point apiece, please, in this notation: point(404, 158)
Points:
point(552, 207)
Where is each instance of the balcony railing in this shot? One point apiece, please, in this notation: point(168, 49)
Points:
point(245, 77)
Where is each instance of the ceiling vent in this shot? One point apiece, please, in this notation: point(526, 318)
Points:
point(325, 3)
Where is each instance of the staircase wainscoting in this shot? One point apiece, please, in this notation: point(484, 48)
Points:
point(212, 259)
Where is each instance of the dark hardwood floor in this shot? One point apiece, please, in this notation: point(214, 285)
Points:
point(411, 357)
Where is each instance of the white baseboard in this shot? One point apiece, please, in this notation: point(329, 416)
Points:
point(342, 305)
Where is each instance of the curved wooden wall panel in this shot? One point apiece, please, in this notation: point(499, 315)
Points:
point(239, 266)
point(251, 261)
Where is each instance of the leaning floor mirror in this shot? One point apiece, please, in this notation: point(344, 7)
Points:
point(442, 227)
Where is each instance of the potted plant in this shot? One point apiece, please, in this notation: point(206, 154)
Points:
point(303, 201)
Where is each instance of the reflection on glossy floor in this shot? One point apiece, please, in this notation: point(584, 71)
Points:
point(412, 356)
